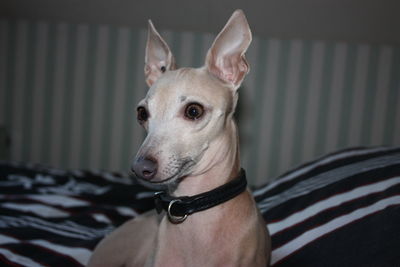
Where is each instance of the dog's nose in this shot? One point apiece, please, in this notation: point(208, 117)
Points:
point(145, 168)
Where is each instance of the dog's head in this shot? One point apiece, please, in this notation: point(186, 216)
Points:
point(186, 110)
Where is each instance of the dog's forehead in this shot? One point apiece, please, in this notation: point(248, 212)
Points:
point(188, 83)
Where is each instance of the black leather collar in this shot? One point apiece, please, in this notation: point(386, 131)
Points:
point(178, 208)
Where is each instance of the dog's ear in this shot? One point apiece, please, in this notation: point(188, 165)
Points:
point(225, 59)
point(158, 58)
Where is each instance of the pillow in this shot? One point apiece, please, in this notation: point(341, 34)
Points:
point(340, 210)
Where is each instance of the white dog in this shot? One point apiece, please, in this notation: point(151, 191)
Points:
point(192, 151)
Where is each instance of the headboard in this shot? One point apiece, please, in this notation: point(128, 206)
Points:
point(68, 94)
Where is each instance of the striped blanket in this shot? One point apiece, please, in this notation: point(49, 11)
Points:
point(340, 210)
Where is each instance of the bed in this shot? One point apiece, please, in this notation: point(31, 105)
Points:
point(342, 209)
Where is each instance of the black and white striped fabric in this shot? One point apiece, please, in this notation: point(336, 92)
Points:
point(340, 210)
point(51, 217)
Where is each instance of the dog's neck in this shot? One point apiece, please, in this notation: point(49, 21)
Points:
point(219, 166)
point(199, 230)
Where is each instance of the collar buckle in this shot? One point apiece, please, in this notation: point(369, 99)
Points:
point(158, 202)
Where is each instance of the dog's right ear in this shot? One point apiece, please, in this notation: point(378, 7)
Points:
point(158, 58)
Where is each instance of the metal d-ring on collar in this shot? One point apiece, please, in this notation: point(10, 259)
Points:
point(179, 208)
point(172, 218)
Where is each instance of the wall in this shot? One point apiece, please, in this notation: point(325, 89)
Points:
point(68, 94)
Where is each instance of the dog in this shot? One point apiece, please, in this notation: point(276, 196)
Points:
point(208, 216)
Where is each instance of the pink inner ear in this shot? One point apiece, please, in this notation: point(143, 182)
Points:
point(152, 74)
point(226, 59)
point(230, 68)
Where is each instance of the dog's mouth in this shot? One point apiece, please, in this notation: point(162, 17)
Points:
point(171, 181)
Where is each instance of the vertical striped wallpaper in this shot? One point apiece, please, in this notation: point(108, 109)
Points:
point(68, 95)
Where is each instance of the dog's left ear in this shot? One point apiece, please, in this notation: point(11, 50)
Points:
point(225, 59)
point(158, 58)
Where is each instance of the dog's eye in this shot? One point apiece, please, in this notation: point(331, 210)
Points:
point(142, 114)
point(194, 111)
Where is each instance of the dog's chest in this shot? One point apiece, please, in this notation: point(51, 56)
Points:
point(194, 244)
